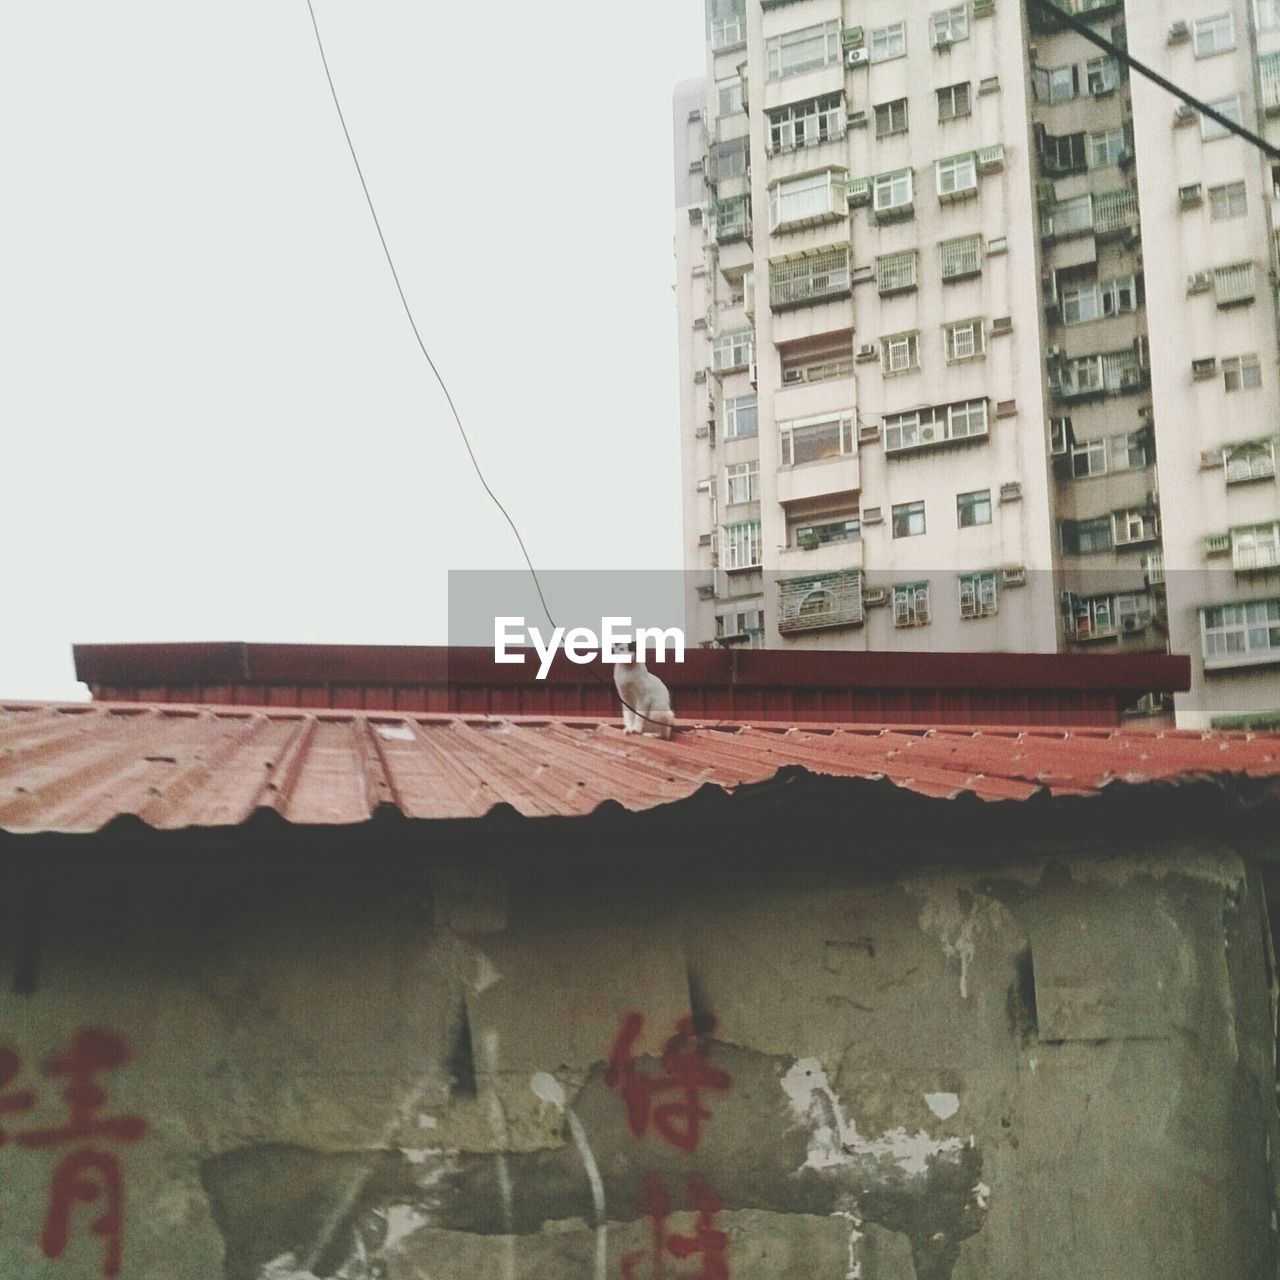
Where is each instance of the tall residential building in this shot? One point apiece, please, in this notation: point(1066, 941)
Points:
point(960, 301)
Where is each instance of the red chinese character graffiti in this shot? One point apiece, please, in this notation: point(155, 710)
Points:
point(705, 1242)
point(687, 1071)
point(87, 1174)
point(18, 1101)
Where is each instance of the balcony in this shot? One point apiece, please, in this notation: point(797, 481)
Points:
point(1255, 557)
point(828, 478)
point(829, 557)
point(818, 602)
point(731, 220)
point(809, 278)
point(1269, 73)
point(1115, 211)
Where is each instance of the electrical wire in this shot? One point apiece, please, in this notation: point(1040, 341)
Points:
point(1123, 55)
point(422, 346)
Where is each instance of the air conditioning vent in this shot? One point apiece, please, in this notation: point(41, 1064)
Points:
point(872, 515)
point(1006, 408)
point(989, 84)
point(1001, 325)
point(1011, 492)
point(1207, 367)
point(1190, 195)
point(868, 433)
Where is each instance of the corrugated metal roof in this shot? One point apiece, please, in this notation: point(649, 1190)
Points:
point(74, 768)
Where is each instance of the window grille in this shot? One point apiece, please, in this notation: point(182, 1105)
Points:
point(961, 257)
point(1241, 633)
point(1269, 72)
point(1255, 546)
point(1233, 284)
point(1115, 210)
point(740, 545)
point(1254, 460)
point(896, 271)
point(817, 601)
point(963, 340)
point(911, 604)
point(809, 277)
point(978, 597)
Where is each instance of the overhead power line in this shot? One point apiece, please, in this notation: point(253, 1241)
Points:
point(1047, 7)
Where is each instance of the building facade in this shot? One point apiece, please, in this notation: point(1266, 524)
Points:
point(928, 400)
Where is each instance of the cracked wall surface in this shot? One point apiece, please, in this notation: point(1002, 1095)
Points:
point(1053, 1067)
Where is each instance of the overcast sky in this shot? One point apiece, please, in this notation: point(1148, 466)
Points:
point(215, 422)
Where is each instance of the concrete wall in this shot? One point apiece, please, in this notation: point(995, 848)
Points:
point(1050, 1068)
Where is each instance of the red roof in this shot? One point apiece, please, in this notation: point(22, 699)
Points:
point(787, 685)
point(74, 768)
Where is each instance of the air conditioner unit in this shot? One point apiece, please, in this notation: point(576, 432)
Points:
point(1011, 491)
point(1131, 624)
point(1210, 459)
point(991, 159)
point(943, 42)
point(1153, 497)
point(857, 58)
point(1001, 325)
point(1016, 576)
point(1185, 114)
point(1207, 367)
point(997, 246)
point(929, 432)
point(1006, 408)
point(876, 597)
point(704, 539)
point(1178, 32)
point(1217, 544)
point(867, 352)
point(1060, 437)
point(1191, 195)
point(1130, 378)
point(983, 8)
point(791, 376)
point(704, 486)
point(868, 433)
point(872, 515)
point(706, 591)
point(857, 120)
point(851, 37)
point(858, 191)
point(752, 374)
point(701, 433)
point(989, 84)
point(1199, 282)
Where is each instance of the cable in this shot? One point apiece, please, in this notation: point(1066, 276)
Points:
point(1123, 55)
point(422, 346)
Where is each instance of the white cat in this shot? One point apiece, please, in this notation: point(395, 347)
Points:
point(640, 689)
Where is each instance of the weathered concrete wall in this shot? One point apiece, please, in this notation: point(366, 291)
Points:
point(1061, 1067)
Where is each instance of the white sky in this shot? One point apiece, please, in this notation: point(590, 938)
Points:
point(214, 422)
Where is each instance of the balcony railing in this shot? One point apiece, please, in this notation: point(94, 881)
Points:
point(1233, 284)
point(1261, 555)
point(819, 601)
point(1115, 211)
point(1269, 72)
point(809, 278)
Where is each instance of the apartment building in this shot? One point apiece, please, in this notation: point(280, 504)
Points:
point(925, 402)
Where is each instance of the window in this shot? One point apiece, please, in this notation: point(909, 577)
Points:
point(957, 175)
point(961, 257)
point(1071, 217)
point(1233, 284)
point(891, 191)
point(900, 352)
point(967, 419)
point(815, 439)
point(809, 277)
point(1253, 460)
point(1229, 107)
point(741, 417)
point(1134, 525)
point(908, 519)
point(1089, 458)
point(978, 595)
point(1248, 632)
point(973, 509)
point(949, 25)
point(1228, 201)
point(728, 24)
point(730, 94)
point(1067, 153)
point(1255, 546)
point(889, 42)
point(819, 535)
point(1267, 13)
point(812, 363)
point(1269, 76)
point(742, 483)
point(953, 102)
point(1133, 452)
point(911, 604)
point(1062, 83)
point(963, 340)
point(1120, 295)
point(1102, 75)
point(738, 621)
point(1107, 148)
point(740, 545)
point(816, 197)
point(1242, 373)
point(896, 271)
point(805, 124)
point(891, 117)
point(1080, 303)
point(805, 50)
point(1214, 35)
point(1086, 537)
point(734, 350)
point(729, 159)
